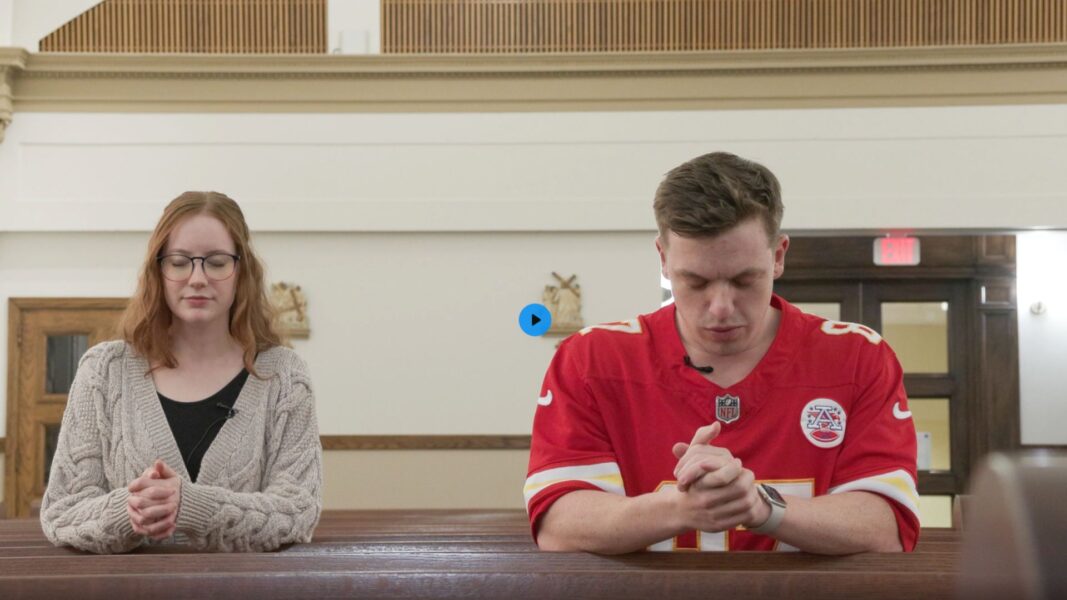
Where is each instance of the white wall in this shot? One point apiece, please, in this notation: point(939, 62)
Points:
point(34, 19)
point(413, 333)
point(354, 26)
point(933, 168)
point(1042, 257)
point(418, 236)
point(7, 15)
point(357, 172)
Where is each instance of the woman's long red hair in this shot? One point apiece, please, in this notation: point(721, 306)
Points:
point(146, 323)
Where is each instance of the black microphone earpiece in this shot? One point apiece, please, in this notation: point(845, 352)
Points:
point(231, 412)
point(690, 364)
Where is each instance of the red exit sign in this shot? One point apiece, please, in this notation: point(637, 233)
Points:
point(896, 251)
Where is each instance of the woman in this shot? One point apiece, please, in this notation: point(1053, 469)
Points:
point(198, 426)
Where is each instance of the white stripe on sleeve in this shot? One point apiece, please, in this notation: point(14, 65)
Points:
point(897, 485)
point(605, 476)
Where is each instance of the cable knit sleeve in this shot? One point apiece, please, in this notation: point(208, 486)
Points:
point(287, 509)
point(79, 509)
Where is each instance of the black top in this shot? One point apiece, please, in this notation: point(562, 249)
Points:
point(195, 424)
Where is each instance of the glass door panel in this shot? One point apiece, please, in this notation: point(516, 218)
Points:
point(918, 333)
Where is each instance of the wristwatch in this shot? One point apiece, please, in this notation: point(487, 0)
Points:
point(777, 504)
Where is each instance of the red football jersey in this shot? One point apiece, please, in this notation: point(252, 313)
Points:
point(823, 412)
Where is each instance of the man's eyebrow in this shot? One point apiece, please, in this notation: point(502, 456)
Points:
point(752, 271)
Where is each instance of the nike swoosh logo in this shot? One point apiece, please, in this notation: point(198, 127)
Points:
point(901, 414)
point(546, 399)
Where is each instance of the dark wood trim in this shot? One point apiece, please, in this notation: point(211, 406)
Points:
point(943, 257)
point(996, 292)
point(996, 249)
point(24, 304)
point(929, 386)
point(14, 341)
point(995, 423)
point(425, 442)
point(846, 293)
point(792, 273)
point(938, 482)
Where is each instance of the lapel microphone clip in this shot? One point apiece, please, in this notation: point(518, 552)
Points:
point(689, 363)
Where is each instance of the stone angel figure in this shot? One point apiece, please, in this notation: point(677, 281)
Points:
point(291, 307)
point(564, 301)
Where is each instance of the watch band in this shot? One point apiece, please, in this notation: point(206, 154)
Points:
point(777, 504)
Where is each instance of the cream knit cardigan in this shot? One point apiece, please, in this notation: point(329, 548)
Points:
point(260, 481)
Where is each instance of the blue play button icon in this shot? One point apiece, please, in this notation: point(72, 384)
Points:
point(535, 319)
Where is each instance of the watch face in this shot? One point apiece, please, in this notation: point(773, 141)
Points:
point(773, 495)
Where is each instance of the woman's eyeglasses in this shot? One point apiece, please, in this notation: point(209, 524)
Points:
point(216, 267)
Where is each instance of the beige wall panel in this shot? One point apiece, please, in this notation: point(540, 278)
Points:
point(935, 511)
point(424, 479)
point(920, 348)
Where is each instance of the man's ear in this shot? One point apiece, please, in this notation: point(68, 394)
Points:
point(662, 256)
point(780, 249)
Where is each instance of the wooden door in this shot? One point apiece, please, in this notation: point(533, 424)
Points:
point(962, 380)
point(46, 339)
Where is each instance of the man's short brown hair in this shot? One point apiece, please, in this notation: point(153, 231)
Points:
point(712, 193)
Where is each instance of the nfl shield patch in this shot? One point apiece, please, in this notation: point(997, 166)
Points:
point(727, 408)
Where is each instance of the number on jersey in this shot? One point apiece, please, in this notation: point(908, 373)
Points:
point(841, 328)
point(627, 326)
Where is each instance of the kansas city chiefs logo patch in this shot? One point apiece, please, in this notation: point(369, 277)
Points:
point(823, 422)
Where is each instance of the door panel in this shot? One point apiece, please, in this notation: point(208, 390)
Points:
point(48, 337)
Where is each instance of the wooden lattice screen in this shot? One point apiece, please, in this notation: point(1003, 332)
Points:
point(445, 26)
point(210, 26)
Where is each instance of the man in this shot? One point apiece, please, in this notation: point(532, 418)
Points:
point(728, 420)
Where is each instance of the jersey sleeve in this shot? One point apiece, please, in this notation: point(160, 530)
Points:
point(570, 448)
point(878, 453)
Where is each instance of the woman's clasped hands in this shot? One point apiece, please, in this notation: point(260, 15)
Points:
point(154, 500)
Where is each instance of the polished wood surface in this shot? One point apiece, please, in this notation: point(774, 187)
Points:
point(458, 554)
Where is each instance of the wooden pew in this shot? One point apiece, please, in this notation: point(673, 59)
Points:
point(454, 554)
point(1015, 542)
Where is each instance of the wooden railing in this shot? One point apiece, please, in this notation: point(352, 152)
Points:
point(209, 26)
point(448, 26)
